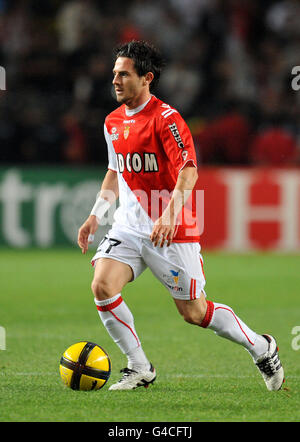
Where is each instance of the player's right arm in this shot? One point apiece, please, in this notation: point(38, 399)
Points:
point(108, 194)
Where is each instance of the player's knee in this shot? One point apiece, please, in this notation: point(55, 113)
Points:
point(194, 313)
point(102, 289)
point(194, 318)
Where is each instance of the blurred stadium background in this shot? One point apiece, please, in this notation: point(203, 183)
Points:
point(229, 72)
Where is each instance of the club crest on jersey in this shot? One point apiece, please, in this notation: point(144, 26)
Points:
point(126, 132)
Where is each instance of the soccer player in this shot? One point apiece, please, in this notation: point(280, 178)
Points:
point(152, 170)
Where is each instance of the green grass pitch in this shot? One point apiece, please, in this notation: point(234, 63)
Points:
point(47, 305)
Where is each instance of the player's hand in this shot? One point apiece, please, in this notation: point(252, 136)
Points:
point(163, 231)
point(86, 233)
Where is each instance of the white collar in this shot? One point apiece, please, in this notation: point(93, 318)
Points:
point(130, 112)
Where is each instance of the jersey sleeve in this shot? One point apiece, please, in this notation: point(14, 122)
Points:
point(112, 158)
point(177, 141)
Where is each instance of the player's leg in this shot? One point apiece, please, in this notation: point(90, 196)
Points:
point(224, 322)
point(111, 275)
point(105, 284)
point(180, 268)
point(192, 311)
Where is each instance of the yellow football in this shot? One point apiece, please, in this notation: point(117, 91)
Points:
point(85, 366)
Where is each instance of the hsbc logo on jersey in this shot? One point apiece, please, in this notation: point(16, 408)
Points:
point(137, 163)
point(176, 135)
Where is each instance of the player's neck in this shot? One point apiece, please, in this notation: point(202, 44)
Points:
point(138, 100)
point(131, 110)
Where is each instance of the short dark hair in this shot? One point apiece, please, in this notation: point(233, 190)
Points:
point(145, 56)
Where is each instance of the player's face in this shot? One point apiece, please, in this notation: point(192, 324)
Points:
point(129, 87)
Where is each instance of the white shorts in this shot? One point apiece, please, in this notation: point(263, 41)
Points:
point(178, 267)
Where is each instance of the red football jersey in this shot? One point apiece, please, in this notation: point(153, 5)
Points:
point(148, 148)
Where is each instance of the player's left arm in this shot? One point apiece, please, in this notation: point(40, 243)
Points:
point(165, 227)
point(179, 147)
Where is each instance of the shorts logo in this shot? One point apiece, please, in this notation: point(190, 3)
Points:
point(172, 281)
point(175, 276)
point(126, 132)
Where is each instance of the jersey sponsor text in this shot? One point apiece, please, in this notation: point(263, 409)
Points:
point(175, 132)
point(137, 162)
